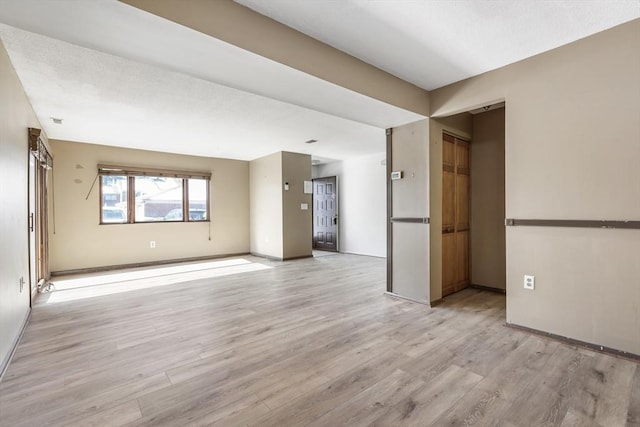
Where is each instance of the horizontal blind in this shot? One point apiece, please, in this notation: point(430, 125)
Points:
point(138, 171)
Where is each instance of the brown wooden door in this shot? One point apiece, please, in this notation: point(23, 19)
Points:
point(325, 214)
point(455, 214)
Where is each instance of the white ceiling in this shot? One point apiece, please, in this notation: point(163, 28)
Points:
point(106, 99)
point(432, 43)
point(120, 76)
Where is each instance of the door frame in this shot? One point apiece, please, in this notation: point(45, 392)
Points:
point(32, 235)
point(337, 215)
point(38, 212)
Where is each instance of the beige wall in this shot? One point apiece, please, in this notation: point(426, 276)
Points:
point(279, 227)
point(16, 115)
point(572, 152)
point(296, 236)
point(249, 30)
point(80, 242)
point(266, 206)
point(488, 262)
point(410, 198)
point(460, 125)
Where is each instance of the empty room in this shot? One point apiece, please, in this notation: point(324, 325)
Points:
point(320, 213)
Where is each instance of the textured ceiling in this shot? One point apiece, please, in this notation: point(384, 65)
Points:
point(128, 78)
point(106, 99)
point(432, 43)
point(120, 76)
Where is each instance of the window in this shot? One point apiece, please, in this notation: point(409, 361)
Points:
point(158, 199)
point(197, 191)
point(114, 199)
point(139, 195)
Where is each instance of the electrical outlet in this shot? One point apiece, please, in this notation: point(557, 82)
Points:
point(152, 244)
point(529, 282)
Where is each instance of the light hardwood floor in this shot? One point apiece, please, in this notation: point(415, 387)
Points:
point(307, 342)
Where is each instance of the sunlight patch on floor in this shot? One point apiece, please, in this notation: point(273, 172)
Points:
point(109, 284)
point(71, 282)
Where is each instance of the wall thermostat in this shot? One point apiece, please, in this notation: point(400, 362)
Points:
point(396, 175)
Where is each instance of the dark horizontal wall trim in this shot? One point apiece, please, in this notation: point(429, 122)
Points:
point(419, 301)
point(276, 258)
point(488, 288)
point(142, 264)
point(359, 254)
point(418, 220)
point(437, 302)
point(580, 223)
point(291, 258)
point(269, 257)
point(571, 341)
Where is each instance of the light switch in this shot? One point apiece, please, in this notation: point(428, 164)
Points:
point(308, 187)
point(304, 206)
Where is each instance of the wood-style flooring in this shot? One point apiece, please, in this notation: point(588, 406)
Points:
point(310, 342)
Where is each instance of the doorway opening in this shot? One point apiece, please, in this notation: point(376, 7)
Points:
point(40, 169)
point(325, 214)
point(472, 214)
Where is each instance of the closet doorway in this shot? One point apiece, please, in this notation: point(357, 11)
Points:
point(455, 214)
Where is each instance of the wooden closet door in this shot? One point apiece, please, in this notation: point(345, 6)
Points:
point(448, 215)
point(455, 214)
point(462, 214)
